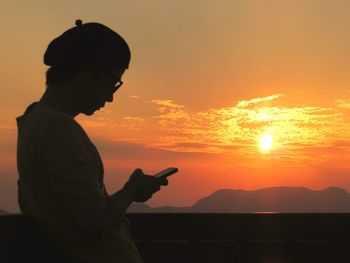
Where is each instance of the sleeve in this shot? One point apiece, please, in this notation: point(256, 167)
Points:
point(20, 197)
point(73, 174)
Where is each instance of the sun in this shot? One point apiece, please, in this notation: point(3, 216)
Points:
point(266, 142)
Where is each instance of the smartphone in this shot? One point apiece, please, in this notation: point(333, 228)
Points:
point(165, 173)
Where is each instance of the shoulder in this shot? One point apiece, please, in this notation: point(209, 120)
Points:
point(68, 129)
point(60, 122)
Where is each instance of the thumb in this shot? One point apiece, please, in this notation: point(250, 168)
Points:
point(137, 171)
point(163, 181)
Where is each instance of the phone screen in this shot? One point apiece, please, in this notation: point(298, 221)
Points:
point(166, 172)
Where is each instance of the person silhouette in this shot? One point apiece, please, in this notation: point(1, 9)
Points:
point(60, 182)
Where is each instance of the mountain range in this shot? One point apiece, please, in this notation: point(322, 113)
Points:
point(271, 199)
point(2, 212)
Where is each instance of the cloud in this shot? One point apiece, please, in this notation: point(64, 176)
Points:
point(236, 129)
point(8, 126)
point(167, 103)
point(344, 103)
point(136, 119)
point(246, 103)
point(223, 129)
point(124, 149)
point(107, 120)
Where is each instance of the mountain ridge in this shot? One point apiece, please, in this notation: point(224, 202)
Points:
point(283, 199)
point(3, 212)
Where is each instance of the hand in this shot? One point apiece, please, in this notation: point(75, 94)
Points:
point(143, 186)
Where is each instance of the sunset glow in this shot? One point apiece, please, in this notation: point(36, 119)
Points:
point(266, 142)
point(236, 94)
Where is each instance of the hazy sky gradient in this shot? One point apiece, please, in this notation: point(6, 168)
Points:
point(206, 80)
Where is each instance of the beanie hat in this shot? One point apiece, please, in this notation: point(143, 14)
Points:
point(88, 44)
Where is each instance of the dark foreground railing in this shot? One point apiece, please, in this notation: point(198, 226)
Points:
point(213, 237)
point(242, 237)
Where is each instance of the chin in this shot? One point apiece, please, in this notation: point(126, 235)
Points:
point(89, 112)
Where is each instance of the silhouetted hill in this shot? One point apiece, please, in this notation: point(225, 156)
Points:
point(272, 199)
point(2, 212)
point(139, 208)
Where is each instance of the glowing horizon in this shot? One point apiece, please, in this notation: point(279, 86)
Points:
point(207, 80)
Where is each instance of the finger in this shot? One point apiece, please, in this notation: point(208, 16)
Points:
point(138, 171)
point(155, 189)
point(163, 181)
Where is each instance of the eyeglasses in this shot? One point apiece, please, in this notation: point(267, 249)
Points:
point(118, 85)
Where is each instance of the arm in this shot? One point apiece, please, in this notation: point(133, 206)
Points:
point(20, 197)
point(140, 187)
point(111, 217)
point(74, 179)
point(73, 175)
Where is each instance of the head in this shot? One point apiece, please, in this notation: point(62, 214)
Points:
point(87, 63)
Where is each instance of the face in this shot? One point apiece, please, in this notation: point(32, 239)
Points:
point(97, 90)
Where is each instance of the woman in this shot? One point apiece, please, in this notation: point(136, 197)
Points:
point(60, 170)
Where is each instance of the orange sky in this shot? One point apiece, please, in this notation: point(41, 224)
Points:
point(206, 80)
